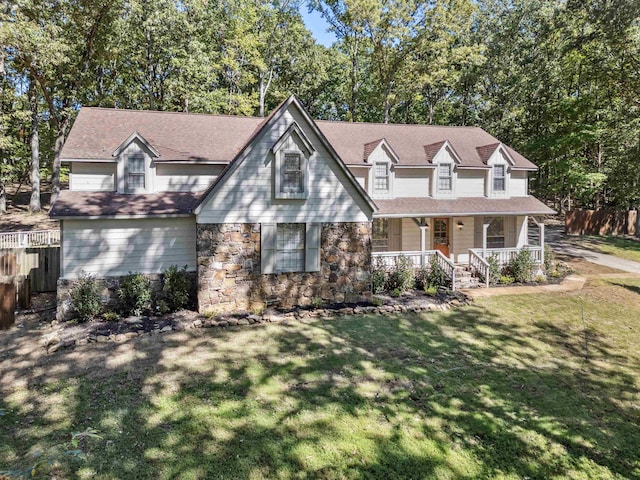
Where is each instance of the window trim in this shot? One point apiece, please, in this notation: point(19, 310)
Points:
point(387, 177)
point(269, 248)
point(279, 172)
point(503, 177)
point(144, 173)
point(448, 177)
point(385, 229)
point(503, 236)
point(301, 252)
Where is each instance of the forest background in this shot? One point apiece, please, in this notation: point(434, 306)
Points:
point(558, 80)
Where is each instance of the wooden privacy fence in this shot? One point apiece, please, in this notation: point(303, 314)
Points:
point(605, 221)
point(40, 265)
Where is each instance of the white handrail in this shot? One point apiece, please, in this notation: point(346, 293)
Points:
point(480, 265)
point(35, 238)
point(448, 266)
point(504, 255)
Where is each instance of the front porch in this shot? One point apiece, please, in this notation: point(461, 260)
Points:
point(460, 244)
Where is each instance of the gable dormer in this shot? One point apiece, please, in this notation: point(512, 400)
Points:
point(292, 153)
point(381, 157)
point(135, 168)
point(444, 158)
point(499, 160)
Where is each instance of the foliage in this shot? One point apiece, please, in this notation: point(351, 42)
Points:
point(111, 316)
point(431, 290)
point(494, 269)
point(521, 266)
point(86, 297)
point(41, 462)
point(506, 279)
point(175, 287)
point(540, 279)
point(437, 276)
point(421, 278)
point(377, 301)
point(396, 292)
point(401, 275)
point(316, 302)
point(548, 258)
point(378, 275)
point(135, 293)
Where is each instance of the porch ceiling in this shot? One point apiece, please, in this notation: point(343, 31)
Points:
point(470, 206)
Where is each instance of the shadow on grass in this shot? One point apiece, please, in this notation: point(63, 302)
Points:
point(463, 394)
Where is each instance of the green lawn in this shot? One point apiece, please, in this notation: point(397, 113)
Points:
point(503, 389)
point(620, 247)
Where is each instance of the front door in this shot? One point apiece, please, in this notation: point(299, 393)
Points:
point(441, 235)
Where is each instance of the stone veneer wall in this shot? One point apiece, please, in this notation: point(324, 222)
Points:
point(109, 294)
point(229, 277)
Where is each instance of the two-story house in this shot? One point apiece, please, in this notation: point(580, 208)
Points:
point(281, 207)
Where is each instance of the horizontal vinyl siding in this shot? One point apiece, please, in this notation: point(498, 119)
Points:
point(471, 183)
point(411, 236)
point(92, 177)
point(185, 178)
point(411, 183)
point(518, 184)
point(247, 195)
point(462, 239)
point(116, 247)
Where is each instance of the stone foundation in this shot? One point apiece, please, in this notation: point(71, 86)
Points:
point(109, 294)
point(229, 278)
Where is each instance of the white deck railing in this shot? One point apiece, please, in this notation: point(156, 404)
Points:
point(420, 259)
point(36, 238)
point(504, 255)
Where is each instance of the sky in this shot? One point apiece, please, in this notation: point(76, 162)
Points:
point(318, 26)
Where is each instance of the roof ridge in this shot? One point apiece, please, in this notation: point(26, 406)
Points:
point(401, 124)
point(128, 110)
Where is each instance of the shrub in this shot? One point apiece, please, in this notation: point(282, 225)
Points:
point(436, 277)
point(540, 279)
point(175, 288)
point(421, 278)
point(548, 258)
point(506, 279)
point(521, 266)
point(85, 297)
point(396, 292)
point(111, 316)
point(377, 301)
point(316, 302)
point(135, 293)
point(401, 275)
point(494, 269)
point(378, 275)
point(431, 290)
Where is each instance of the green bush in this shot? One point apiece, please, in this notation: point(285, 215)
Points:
point(175, 287)
point(111, 316)
point(431, 290)
point(421, 278)
point(506, 279)
point(548, 258)
point(85, 297)
point(521, 266)
point(396, 292)
point(135, 293)
point(401, 275)
point(378, 275)
point(436, 277)
point(494, 269)
point(316, 302)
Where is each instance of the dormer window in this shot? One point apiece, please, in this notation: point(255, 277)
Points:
point(135, 172)
point(381, 180)
point(292, 175)
point(499, 178)
point(292, 152)
point(445, 177)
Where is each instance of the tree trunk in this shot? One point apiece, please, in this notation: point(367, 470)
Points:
point(34, 204)
point(3, 198)
point(60, 129)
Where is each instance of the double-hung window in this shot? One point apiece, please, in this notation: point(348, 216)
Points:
point(499, 178)
point(495, 233)
point(292, 178)
point(445, 177)
point(290, 247)
point(381, 177)
point(380, 235)
point(135, 172)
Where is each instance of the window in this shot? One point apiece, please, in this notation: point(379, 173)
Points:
point(495, 233)
point(135, 172)
point(499, 178)
point(292, 177)
point(445, 180)
point(290, 247)
point(381, 180)
point(380, 235)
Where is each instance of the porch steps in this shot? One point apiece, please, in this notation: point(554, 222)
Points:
point(466, 279)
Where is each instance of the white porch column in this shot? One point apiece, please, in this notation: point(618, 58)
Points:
point(423, 243)
point(485, 229)
point(541, 227)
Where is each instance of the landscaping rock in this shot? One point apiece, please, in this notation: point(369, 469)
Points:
point(102, 338)
point(168, 328)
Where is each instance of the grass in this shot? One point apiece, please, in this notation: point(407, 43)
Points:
point(512, 387)
point(627, 248)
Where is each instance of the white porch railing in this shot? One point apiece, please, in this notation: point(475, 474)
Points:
point(479, 265)
point(36, 238)
point(504, 255)
point(420, 259)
